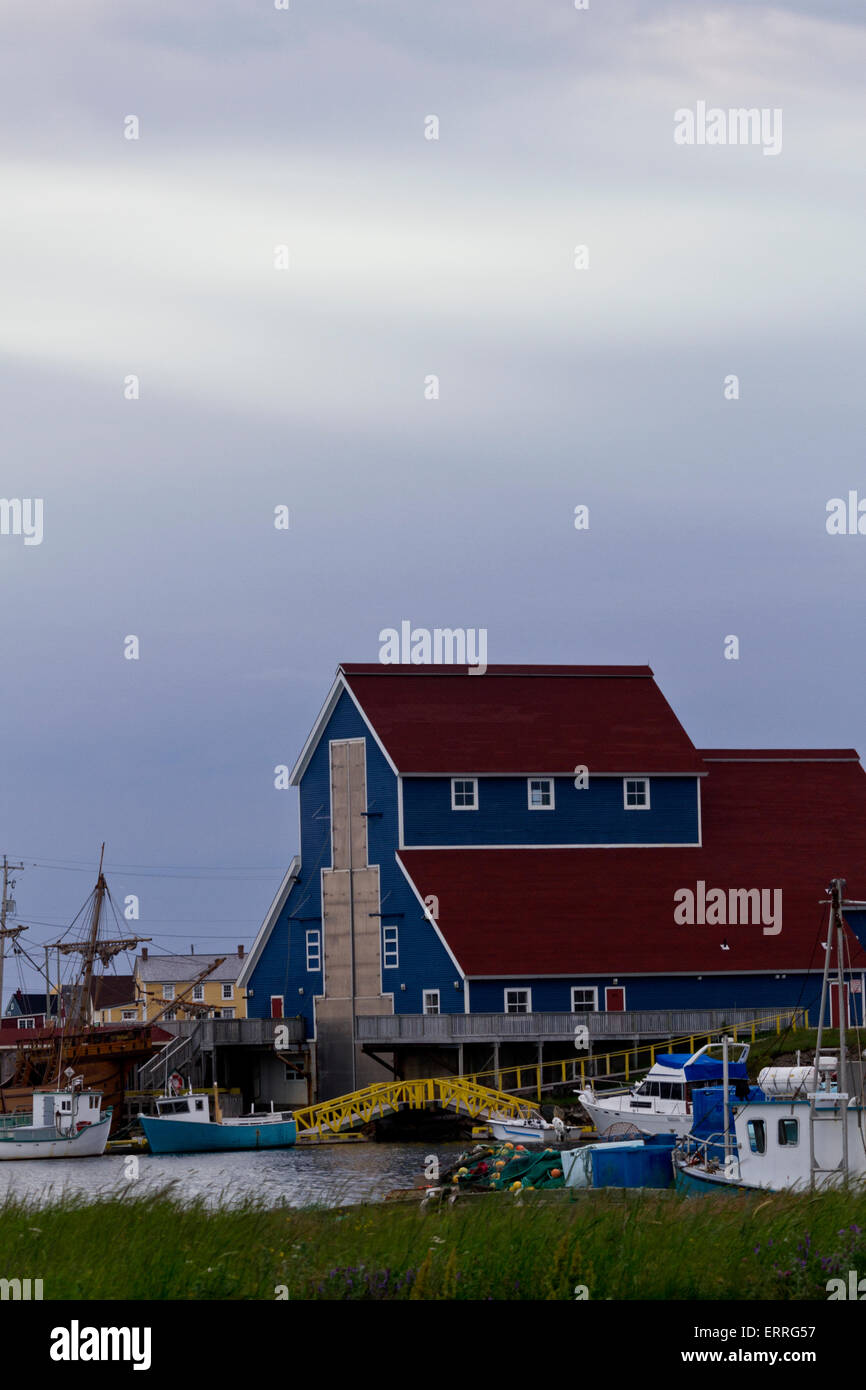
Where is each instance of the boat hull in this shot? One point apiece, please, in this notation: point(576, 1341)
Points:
point(646, 1122)
point(520, 1134)
point(694, 1180)
point(89, 1143)
point(167, 1136)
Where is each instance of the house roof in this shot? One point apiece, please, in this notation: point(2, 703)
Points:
point(521, 719)
point(111, 991)
point(183, 969)
point(25, 1004)
point(767, 824)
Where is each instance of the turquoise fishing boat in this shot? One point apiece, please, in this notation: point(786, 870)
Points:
point(182, 1124)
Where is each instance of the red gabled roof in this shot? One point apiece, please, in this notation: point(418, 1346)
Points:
point(111, 991)
point(522, 719)
point(766, 824)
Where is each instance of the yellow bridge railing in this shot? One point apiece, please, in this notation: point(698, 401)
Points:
point(384, 1097)
point(538, 1075)
point(469, 1095)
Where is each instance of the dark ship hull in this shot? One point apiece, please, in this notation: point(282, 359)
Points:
point(104, 1056)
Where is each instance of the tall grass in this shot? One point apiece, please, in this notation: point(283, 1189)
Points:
point(620, 1245)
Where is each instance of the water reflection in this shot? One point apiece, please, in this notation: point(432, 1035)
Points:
point(330, 1175)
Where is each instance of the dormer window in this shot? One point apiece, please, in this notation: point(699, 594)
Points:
point(539, 793)
point(464, 793)
point(636, 793)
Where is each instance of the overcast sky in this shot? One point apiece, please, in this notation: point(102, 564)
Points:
point(306, 387)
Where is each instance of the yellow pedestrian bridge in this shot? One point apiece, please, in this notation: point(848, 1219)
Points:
point(468, 1095)
point(456, 1093)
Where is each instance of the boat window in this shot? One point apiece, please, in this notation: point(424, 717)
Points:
point(199, 1105)
point(757, 1136)
point(789, 1131)
point(670, 1090)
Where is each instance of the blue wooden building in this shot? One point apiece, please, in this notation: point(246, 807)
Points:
point(483, 857)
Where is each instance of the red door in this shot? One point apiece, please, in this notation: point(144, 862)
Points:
point(834, 1006)
point(614, 999)
point(276, 1006)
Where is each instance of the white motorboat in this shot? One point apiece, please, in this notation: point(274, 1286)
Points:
point(662, 1103)
point(534, 1132)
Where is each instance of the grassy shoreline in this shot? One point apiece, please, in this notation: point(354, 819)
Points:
point(632, 1245)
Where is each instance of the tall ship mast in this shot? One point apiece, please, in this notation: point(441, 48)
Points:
point(102, 1054)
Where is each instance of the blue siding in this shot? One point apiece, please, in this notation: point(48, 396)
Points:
point(593, 816)
point(665, 992)
point(424, 961)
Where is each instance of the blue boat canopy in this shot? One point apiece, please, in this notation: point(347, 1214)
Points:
point(704, 1069)
point(708, 1124)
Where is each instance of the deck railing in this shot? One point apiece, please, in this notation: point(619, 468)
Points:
point(403, 1028)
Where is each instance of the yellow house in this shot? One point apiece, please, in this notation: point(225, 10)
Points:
point(114, 999)
point(172, 983)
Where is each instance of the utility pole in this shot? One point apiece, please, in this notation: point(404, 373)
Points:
point(7, 905)
point(352, 915)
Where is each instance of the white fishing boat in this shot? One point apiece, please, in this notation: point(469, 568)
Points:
point(61, 1124)
point(533, 1132)
point(662, 1103)
point(805, 1129)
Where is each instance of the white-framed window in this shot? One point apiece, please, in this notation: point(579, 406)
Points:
point(228, 1013)
point(129, 1015)
point(584, 999)
point(169, 1017)
point(168, 991)
point(26, 1023)
point(636, 793)
point(228, 992)
point(539, 793)
point(464, 793)
point(518, 1001)
point(391, 951)
point(431, 1001)
point(198, 994)
point(314, 949)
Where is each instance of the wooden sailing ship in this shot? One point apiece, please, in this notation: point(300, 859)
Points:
point(103, 1055)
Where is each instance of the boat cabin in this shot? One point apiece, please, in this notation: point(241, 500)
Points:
point(183, 1108)
point(48, 1105)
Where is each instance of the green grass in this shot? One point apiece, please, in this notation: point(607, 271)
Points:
point(651, 1245)
point(765, 1050)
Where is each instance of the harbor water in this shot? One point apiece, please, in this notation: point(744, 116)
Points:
point(315, 1175)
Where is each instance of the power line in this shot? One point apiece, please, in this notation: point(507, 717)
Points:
point(241, 871)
